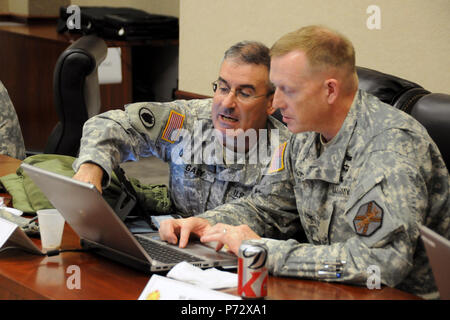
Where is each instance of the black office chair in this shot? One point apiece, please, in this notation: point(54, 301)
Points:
point(76, 93)
point(399, 93)
point(433, 112)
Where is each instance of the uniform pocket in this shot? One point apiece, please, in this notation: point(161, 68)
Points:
point(314, 209)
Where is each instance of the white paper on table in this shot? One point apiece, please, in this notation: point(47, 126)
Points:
point(209, 278)
point(14, 211)
point(12, 235)
point(6, 230)
point(163, 288)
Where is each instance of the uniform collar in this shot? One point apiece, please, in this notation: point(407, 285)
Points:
point(248, 172)
point(329, 165)
point(241, 170)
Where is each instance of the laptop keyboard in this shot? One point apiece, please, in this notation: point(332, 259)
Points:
point(165, 253)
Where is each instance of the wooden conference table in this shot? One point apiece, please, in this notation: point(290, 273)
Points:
point(27, 276)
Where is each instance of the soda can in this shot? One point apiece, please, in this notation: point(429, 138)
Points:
point(252, 271)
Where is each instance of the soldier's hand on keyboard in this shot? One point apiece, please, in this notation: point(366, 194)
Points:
point(230, 236)
point(172, 229)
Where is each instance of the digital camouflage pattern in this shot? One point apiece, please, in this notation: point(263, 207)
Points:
point(359, 202)
point(150, 129)
point(11, 140)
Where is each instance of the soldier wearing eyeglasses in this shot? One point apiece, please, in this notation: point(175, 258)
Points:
point(208, 143)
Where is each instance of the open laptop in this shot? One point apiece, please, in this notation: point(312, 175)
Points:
point(101, 230)
point(438, 252)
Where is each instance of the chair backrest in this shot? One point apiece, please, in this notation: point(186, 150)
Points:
point(399, 93)
point(76, 93)
point(433, 112)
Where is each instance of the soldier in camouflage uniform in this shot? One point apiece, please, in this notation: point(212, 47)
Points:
point(173, 131)
point(360, 191)
point(11, 140)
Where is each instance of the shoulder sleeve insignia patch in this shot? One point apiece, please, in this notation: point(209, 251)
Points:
point(277, 161)
point(368, 219)
point(147, 117)
point(174, 123)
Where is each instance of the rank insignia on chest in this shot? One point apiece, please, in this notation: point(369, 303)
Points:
point(368, 219)
point(174, 123)
point(277, 161)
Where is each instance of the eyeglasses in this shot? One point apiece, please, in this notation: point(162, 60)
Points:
point(241, 94)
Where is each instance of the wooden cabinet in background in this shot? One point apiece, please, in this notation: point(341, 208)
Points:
point(28, 54)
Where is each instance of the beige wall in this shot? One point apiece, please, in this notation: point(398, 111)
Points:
point(165, 7)
point(35, 7)
point(18, 7)
point(51, 7)
point(413, 41)
point(46, 7)
point(4, 6)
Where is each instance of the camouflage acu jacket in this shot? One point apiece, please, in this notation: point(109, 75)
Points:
point(180, 133)
point(359, 202)
point(11, 140)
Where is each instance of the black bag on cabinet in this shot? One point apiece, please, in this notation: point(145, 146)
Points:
point(119, 23)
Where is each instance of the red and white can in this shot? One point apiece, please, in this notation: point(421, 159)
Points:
point(252, 270)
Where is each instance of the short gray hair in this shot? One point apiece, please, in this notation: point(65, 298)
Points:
point(251, 52)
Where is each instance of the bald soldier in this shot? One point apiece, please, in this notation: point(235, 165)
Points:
point(361, 175)
point(11, 139)
point(209, 144)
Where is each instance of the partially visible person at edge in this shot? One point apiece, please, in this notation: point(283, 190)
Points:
point(361, 175)
point(242, 99)
point(11, 139)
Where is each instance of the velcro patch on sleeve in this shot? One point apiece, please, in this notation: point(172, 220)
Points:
point(147, 117)
point(277, 161)
point(173, 125)
point(368, 219)
point(370, 216)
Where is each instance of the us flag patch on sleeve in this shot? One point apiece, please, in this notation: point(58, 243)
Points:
point(174, 123)
point(277, 162)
